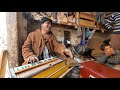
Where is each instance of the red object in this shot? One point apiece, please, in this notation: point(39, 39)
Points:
point(93, 69)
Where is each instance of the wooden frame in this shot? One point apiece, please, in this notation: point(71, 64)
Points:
point(87, 20)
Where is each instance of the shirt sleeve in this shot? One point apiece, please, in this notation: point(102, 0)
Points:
point(109, 22)
point(59, 48)
point(102, 59)
point(113, 61)
point(27, 48)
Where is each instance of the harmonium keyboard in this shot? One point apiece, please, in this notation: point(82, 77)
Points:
point(47, 68)
point(92, 69)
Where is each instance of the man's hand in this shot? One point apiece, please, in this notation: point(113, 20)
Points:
point(68, 52)
point(32, 59)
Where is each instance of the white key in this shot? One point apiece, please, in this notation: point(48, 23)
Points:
point(18, 76)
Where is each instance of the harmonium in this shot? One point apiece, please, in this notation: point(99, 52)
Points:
point(47, 68)
point(92, 69)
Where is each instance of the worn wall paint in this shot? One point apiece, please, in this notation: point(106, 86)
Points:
point(12, 39)
point(59, 33)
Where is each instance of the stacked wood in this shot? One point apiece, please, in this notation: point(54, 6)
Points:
point(87, 20)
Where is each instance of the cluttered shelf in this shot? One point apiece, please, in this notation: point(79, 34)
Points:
point(67, 19)
point(75, 26)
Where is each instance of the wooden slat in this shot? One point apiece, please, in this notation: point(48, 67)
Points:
point(59, 72)
point(61, 76)
point(3, 63)
point(49, 71)
point(86, 23)
point(87, 16)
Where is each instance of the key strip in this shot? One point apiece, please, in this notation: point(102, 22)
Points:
point(32, 65)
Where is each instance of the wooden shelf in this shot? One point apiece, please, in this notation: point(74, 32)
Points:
point(88, 16)
point(86, 20)
point(75, 26)
point(65, 25)
point(86, 23)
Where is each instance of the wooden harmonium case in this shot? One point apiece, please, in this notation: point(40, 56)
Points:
point(47, 68)
point(92, 69)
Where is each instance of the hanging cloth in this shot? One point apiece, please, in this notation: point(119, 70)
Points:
point(79, 32)
point(45, 53)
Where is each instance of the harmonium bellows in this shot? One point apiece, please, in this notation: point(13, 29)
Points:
point(47, 68)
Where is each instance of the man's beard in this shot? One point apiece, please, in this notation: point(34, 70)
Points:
point(47, 29)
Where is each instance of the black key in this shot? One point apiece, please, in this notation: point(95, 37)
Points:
point(25, 66)
point(38, 62)
point(17, 68)
point(33, 64)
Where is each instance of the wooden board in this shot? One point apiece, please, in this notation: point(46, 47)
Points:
point(3, 63)
point(93, 69)
point(86, 20)
point(62, 76)
point(86, 23)
point(49, 71)
point(87, 16)
point(59, 72)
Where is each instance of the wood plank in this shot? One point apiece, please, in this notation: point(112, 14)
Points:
point(49, 71)
point(59, 72)
point(86, 23)
point(12, 38)
point(77, 17)
point(98, 70)
point(87, 16)
point(61, 76)
point(3, 64)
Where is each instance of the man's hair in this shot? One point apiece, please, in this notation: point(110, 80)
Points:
point(44, 19)
point(102, 47)
point(106, 41)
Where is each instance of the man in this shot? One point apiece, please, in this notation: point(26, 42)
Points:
point(41, 42)
point(113, 25)
point(110, 57)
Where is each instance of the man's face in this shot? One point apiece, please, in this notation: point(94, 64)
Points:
point(46, 26)
point(108, 50)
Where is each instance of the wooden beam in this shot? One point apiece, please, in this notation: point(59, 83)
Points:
point(77, 17)
point(16, 35)
point(86, 23)
point(12, 38)
point(87, 16)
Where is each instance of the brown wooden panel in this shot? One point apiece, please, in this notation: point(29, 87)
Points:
point(87, 16)
point(97, 70)
point(86, 23)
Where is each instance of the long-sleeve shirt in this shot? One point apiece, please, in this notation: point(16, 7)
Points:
point(111, 60)
point(35, 43)
point(113, 23)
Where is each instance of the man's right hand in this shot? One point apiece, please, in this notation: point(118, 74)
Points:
point(32, 59)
